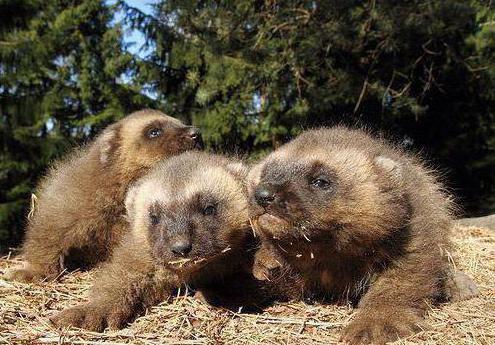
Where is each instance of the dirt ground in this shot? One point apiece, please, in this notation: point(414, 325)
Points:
point(24, 309)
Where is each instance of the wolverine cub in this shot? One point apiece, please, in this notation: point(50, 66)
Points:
point(189, 225)
point(80, 209)
point(346, 216)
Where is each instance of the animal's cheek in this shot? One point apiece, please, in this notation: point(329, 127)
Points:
point(222, 238)
point(323, 215)
point(203, 238)
point(170, 141)
point(227, 236)
point(161, 249)
point(327, 211)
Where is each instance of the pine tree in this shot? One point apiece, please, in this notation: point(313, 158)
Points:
point(252, 74)
point(61, 65)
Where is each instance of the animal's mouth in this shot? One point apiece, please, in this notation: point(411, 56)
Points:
point(188, 265)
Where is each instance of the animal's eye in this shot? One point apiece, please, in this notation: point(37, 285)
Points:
point(154, 132)
point(320, 182)
point(154, 219)
point(209, 210)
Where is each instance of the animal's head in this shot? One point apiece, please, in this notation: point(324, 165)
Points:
point(192, 209)
point(143, 138)
point(331, 186)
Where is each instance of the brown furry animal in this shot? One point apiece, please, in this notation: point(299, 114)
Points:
point(345, 216)
point(80, 213)
point(189, 219)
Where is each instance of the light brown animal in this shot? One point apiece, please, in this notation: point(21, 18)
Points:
point(189, 220)
point(345, 216)
point(80, 210)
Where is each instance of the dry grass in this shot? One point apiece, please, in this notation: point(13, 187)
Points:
point(24, 310)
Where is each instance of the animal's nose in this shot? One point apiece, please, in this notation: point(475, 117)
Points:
point(264, 195)
point(195, 135)
point(181, 248)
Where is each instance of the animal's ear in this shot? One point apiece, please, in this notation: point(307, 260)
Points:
point(389, 166)
point(108, 142)
point(238, 169)
point(130, 201)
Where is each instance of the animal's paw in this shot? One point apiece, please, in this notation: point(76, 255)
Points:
point(266, 266)
point(92, 316)
point(460, 287)
point(381, 326)
point(201, 296)
point(24, 275)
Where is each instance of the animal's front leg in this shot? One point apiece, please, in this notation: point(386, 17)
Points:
point(395, 304)
point(124, 289)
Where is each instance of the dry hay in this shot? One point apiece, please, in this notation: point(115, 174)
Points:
point(24, 309)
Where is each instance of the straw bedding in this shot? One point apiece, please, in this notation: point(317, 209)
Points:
point(24, 311)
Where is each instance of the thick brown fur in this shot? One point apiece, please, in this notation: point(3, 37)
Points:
point(80, 210)
point(195, 198)
point(348, 217)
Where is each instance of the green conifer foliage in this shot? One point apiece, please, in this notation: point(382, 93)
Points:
point(61, 68)
point(254, 73)
point(251, 74)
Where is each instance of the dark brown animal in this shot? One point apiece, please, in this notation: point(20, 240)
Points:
point(80, 209)
point(345, 216)
point(189, 220)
